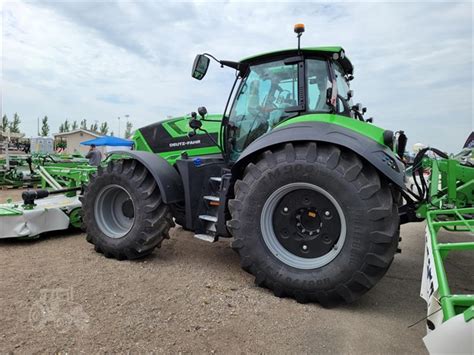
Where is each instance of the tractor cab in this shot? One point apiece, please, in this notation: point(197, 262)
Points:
point(277, 86)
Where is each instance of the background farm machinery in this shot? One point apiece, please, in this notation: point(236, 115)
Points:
point(52, 204)
point(28, 170)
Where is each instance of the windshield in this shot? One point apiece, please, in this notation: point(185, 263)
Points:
point(269, 94)
point(318, 83)
point(260, 104)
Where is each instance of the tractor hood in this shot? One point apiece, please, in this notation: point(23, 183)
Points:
point(169, 138)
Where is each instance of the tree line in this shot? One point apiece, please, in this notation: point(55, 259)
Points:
point(66, 126)
point(14, 125)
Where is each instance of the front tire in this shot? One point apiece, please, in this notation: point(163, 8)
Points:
point(124, 215)
point(314, 222)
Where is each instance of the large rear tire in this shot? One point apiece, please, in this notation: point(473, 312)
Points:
point(124, 215)
point(314, 222)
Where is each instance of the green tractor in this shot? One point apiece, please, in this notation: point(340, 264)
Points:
point(308, 189)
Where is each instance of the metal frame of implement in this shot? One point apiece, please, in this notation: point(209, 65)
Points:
point(451, 197)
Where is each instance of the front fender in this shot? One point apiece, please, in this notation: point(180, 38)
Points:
point(166, 177)
point(380, 156)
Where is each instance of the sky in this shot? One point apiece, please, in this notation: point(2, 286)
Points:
point(101, 60)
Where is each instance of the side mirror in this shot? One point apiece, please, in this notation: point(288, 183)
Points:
point(200, 65)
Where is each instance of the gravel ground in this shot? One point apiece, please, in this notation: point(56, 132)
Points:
point(58, 295)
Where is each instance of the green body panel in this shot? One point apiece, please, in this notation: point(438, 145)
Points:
point(139, 142)
point(366, 129)
point(179, 128)
point(171, 157)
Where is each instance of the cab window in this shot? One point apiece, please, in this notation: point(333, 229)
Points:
point(261, 102)
point(342, 89)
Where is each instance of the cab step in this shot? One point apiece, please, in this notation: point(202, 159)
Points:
point(206, 217)
point(212, 198)
point(206, 237)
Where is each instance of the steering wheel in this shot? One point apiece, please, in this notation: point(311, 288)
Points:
point(270, 108)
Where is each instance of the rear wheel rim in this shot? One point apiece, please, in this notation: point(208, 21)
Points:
point(281, 245)
point(114, 211)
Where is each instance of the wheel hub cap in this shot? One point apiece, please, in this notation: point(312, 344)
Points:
point(304, 229)
point(114, 211)
point(303, 225)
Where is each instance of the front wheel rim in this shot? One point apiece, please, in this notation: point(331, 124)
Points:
point(281, 252)
point(114, 211)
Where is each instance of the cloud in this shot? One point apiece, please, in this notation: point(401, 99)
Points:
point(100, 60)
point(115, 99)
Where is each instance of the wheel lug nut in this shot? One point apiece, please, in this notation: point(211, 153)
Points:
point(317, 230)
point(298, 224)
point(303, 230)
point(310, 233)
point(327, 213)
point(304, 247)
point(285, 209)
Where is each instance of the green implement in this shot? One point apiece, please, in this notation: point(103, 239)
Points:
point(449, 207)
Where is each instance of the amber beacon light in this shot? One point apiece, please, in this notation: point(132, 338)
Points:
point(299, 28)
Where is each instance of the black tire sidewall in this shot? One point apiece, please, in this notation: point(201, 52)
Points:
point(102, 182)
point(355, 211)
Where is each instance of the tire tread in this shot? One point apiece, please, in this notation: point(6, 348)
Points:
point(383, 214)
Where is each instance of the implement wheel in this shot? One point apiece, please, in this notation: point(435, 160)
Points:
point(314, 222)
point(124, 215)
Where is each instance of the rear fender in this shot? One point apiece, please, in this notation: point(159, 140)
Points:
point(166, 176)
point(380, 156)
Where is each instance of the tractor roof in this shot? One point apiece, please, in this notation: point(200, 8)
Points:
point(324, 51)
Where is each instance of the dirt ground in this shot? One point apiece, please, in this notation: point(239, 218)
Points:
point(58, 295)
